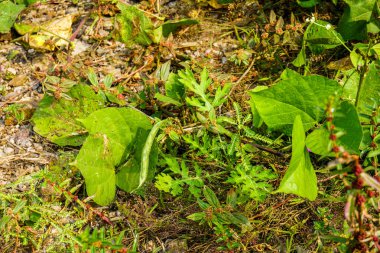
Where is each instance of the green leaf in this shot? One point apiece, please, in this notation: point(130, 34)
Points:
point(174, 88)
point(318, 142)
point(147, 150)
point(318, 38)
point(346, 119)
point(252, 182)
point(301, 58)
point(307, 3)
point(294, 95)
point(163, 71)
point(8, 14)
point(133, 27)
point(370, 88)
point(211, 197)
point(128, 177)
point(197, 216)
point(353, 23)
point(172, 26)
point(110, 124)
point(129, 173)
point(97, 169)
point(167, 99)
point(351, 82)
point(140, 125)
point(56, 119)
point(300, 178)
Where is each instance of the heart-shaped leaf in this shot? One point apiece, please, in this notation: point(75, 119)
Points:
point(300, 178)
point(294, 95)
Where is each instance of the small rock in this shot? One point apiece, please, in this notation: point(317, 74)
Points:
point(8, 150)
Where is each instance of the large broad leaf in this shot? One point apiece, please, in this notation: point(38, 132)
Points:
point(370, 88)
point(128, 177)
point(353, 23)
point(8, 14)
point(139, 124)
point(97, 169)
point(346, 120)
point(300, 178)
point(110, 124)
point(57, 119)
point(294, 95)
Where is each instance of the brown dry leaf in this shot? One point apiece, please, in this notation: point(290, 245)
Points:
point(52, 34)
point(341, 64)
point(18, 81)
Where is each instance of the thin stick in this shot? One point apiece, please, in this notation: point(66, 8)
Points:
point(243, 76)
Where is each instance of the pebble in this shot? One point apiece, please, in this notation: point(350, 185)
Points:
point(8, 150)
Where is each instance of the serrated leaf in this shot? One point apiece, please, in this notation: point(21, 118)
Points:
point(174, 88)
point(300, 178)
point(294, 95)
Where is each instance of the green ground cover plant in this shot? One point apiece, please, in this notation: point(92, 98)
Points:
point(190, 137)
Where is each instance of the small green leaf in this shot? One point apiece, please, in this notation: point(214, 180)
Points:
point(300, 178)
point(166, 99)
point(172, 26)
point(318, 38)
point(211, 197)
point(307, 3)
point(197, 216)
point(301, 58)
